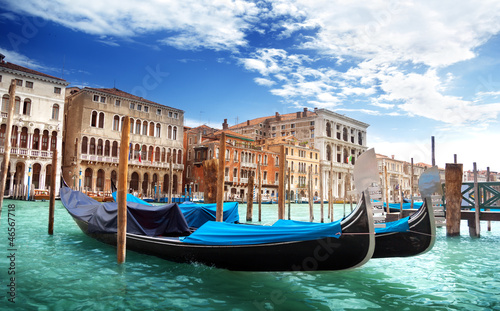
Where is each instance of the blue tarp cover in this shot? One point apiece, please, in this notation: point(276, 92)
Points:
point(221, 233)
point(395, 226)
point(132, 198)
point(141, 219)
point(198, 214)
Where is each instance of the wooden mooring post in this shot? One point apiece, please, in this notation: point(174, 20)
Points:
point(259, 194)
point(121, 194)
point(7, 142)
point(289, 194)
point(250, 198)
point(281, 184)
point(474, 224)
point(52, 197)
point(321, 194)
point(488, 194)
point(453, 194)
point(220, 179)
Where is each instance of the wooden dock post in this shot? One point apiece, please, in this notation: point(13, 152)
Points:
point(474, 225)
point(121, 194)
point(386, 186)
point(311, 197)
point(250, 198)
point(170, 179)
point(289, 195)
point(281, 184)
point(220, 179)
point(411, 184)
point(259, 194)
point(321, 194)
point(7, 142)
point(331, 199)
point(487, 194)
point(433, 151)
point(52, 197)
point(453, 182)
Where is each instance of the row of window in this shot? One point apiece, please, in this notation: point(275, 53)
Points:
point(134, 106)
point(107, 148)
point(343, 156)
point(343, 134)
point(39, 140)
point(29, 84)
point(25, 107)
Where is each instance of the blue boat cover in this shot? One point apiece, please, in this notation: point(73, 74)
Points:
point(221, 233)
point(141, 219)
point(395, 226)
point(198, 214)
point(132, 198)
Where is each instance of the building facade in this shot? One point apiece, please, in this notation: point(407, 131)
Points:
point(94, 120)
point(37, 127)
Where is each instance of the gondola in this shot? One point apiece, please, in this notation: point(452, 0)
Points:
point(163, 232)
point(410, 236)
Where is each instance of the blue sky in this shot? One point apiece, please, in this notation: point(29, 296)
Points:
point(410, 69)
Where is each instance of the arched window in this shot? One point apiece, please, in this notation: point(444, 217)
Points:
point(163, 152)
point(114, 150)
point(24, 137)
point(5, 103)
point(328, 129)
point(157, 154)
point(45, 140)
point(100, 180)
point(137, 151)
point(18, 105)
point(84, 144)
point(106, 148)
point(27, 107)
point(92, 146)
point(174, 157)
point(144, 128)
point(174, 133)
point(55, 112)
point(99, 147)
point(158, 130)
point(138, 127)
point(344, 134)
point(131, 125)
point(151, 129)
point(53, 141)
point(169, 132)
point(144, 153)
point(87, 183)
point(151, 153)
point(36, 140)
point(179, 157)
point(93, 119)
point(101, 120)
point(116, 123)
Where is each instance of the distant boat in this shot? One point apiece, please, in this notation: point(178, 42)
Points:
point(163, 231)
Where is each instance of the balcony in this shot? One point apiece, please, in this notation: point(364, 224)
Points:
point(146, 163)
point(244, 180)
point(28, 152)
point(248, 164)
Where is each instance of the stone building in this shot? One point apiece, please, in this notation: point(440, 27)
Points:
point(94, 119)
point(339, 140)
point(37, 126)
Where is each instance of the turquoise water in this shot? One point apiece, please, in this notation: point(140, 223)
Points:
point(69, 271)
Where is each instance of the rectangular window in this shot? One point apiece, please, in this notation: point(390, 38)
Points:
point(0, 78)
point(103, 99)
point(170, 114)
point(176, 115)
point(312, 123)
point(292, 126)
point(117, 102)
point(139, 107)
point(273, 128)
point(158, 112)
point(283, 127)
point(146, 109)
point(29, 84)
point(132, 106)
point(57, 90)
point(19, 82)
point(96, 98)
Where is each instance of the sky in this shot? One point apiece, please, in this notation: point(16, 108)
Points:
point(410, 69)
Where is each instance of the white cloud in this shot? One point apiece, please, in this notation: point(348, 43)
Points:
point(265, 82)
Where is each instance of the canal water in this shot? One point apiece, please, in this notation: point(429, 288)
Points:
point(69, 271)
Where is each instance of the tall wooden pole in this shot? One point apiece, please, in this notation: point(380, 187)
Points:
point(170, 178)
point(52, 198)
point(433, 149)
point(259, 194)
point(220, 178)
point(386, 188)
point(121, 195)
point(7, 142)
point(487, 196)
point(453, 181)
point(281, 184)
point(475, 229)
point(321, 193)
point(311, 197)
point(250, 198)
point(289, 194)
point(411, 184)
point(331, 199)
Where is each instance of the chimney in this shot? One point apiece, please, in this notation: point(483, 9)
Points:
point(277, 116)
point(304, 113)
point(199, 137)
point(248, 122)
point(392, 157)
point(225, 126)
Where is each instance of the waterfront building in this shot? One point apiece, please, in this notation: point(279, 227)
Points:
point(339, 139)
point(300, 157)
point(37, 126)
point(94, 119)
point(242, 158)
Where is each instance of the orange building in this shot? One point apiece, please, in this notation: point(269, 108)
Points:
point(242, 158)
